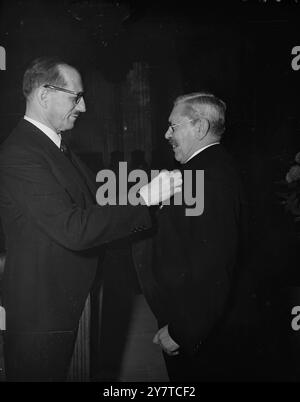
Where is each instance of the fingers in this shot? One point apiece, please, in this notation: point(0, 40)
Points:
point(176, 180)
point(168, 350)
point(162, 187)
point(156, 339)
point(175, 173)
point(176, 176)
point(177, 190)
point(163, 174)
point(175, 353)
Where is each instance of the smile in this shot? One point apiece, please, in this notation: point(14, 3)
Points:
point(173, 144)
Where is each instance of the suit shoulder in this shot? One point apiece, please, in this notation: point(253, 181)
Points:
point(215, 159)
point(220, 169)
point(12, 151)
point(19, 142)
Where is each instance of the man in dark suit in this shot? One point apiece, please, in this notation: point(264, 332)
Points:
point(53, 226)
point(196, 250)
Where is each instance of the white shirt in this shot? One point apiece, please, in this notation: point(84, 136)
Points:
point(202, 149)
point(56, 138)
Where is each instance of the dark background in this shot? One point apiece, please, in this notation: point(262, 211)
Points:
point(241, 51)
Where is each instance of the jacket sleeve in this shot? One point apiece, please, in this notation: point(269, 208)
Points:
point(210, 253)
point(39, 197)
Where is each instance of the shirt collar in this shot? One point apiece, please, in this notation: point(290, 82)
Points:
point(202, 149)
point(55, 137)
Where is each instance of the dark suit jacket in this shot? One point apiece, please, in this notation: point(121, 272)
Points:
point(195, 256)
point(53, 230)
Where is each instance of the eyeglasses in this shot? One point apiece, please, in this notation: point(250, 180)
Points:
point(172, 126)
point(78, 95)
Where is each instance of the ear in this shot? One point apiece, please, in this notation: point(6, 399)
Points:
point(202, 128)
point(42, 96)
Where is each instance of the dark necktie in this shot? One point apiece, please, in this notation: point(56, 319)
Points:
point(65, 150)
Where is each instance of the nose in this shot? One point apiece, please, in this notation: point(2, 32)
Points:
point(168, 134)
point(81, 105)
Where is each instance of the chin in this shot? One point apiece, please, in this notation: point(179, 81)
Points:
point(69, 126)
point(178, 158)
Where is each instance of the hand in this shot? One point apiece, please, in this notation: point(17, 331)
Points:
point(163, 339)
point(162, 187)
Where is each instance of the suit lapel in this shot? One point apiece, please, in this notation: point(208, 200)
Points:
point(63, 169)
point(85, 173)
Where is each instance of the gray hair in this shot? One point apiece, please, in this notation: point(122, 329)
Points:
point(44, 70)
point(207, 105)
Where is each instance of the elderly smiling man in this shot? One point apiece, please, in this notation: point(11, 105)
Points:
point(196, 256)
point(53, 225)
